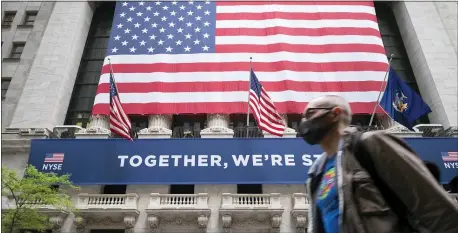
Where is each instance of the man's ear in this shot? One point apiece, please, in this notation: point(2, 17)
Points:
point(337, 112)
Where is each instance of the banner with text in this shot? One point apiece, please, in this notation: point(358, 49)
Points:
point(202, 161)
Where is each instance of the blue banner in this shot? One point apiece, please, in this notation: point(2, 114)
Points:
point(202, 161)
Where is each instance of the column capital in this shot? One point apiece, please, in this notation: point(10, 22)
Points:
point(99, 128)
point(217, 127)
point(159, 126)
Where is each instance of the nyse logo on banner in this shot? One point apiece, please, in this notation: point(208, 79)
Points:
point(450, 159)
point(53, 162)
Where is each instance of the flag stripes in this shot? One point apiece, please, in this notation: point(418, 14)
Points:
point(263, 109)
point(300, 50)
point(119, 122)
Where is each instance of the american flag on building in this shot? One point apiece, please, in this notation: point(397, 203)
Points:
point(119, 121)
point(193, 57)
point(450, 156)
point(54, 158)
point(263, 108)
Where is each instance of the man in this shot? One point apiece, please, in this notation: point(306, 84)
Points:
point(344, 195)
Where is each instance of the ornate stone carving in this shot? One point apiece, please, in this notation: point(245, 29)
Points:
point(35, 132)
point(99, 127)
point(159, 126)
point(56, 223)
point(301, 223)
point(402, 131)
point(217, 126)
point(397, 129)
point(153, 222)
point(202, 221)
point(80, 223)
point(227, 222)
point(454, 131)
point(129, 221)
point(275, 221)
point(107, 221)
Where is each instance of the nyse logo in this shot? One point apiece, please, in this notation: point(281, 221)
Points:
point(53, 162)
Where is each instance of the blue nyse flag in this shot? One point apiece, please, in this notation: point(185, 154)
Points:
point(401, 103)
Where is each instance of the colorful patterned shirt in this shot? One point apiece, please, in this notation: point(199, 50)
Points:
point(328, 200)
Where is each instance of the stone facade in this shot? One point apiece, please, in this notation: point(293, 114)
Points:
point(18, 69)
point(46, 94)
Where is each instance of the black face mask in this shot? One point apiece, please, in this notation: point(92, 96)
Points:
point(314, 130)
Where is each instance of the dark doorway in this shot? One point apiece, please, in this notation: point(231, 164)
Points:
point(114, 189)
point(182, 189)
point(249, 188)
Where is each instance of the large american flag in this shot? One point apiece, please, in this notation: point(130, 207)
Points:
point(119, 121)
point(193, 57)
point(263, 108)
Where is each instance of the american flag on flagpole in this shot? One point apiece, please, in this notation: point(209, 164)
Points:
point(191, 57)
point(263, 109)
point(119, 122)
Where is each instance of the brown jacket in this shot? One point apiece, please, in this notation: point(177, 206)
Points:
point(364, 210)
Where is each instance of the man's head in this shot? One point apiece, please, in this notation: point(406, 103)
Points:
point(325, 117)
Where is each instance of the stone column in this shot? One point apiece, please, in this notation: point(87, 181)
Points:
point(217, 127)
point(159, 126)
point(99, 128)
point(432, 55)
point(47, 91)
point(289, 132)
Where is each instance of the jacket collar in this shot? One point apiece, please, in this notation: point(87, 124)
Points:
point(318, 166)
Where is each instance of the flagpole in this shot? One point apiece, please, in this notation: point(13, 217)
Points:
point(381, 88)
point(248, 102)
point(111, 67)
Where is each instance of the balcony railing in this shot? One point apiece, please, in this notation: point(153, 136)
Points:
point(186, 132)
point(178, 201)
point(188, 207)
point(107, 201)
point(253, 132)
point(263, 207)
point(250, 201)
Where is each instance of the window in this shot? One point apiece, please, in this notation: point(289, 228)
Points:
point(88, 77)
point(238, 124)
point(188, 126)
point(249, 188)
point(5, 85)
point(8, 19)
point(16, 52)
point(30, 17)
point(181, 189)
point(114, 189)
